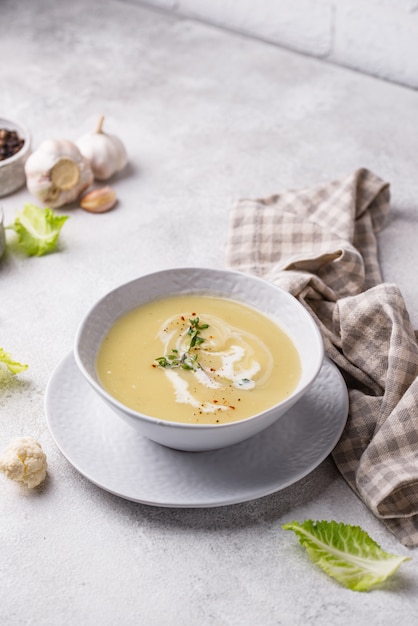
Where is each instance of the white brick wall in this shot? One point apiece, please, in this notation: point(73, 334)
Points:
point(379, 37)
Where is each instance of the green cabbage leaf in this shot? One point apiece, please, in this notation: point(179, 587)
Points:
point(38, 229)
point(13, 366)
point(346, 553)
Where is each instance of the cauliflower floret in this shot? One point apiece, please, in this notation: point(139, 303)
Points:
point(24, 461)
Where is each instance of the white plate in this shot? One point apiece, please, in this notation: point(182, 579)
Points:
point(115, 457)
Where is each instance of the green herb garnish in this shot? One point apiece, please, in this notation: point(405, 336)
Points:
point(244, 383)
point(186, 360)
point(194, 332)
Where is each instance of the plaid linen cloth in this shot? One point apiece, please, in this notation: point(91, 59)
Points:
point(320, 245)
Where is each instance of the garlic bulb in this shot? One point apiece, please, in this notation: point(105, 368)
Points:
point(105, 153)
point(57, 173)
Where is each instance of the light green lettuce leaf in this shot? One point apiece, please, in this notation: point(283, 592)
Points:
point(13, 366)
point(38, 229)
point(347, 553)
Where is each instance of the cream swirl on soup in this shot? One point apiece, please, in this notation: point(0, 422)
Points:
point(227, 355)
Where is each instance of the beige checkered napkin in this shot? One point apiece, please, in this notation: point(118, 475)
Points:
point(320, 245)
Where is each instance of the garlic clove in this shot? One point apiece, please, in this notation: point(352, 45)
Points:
point(99, 200)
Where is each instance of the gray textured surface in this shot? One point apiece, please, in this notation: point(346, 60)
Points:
point(207, 117)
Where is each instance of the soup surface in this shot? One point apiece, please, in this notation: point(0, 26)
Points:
point(198, 359)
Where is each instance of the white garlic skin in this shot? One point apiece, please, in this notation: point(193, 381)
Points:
point(105, 152)
point(40, 164)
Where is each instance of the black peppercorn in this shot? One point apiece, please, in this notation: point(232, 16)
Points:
point(10, 143)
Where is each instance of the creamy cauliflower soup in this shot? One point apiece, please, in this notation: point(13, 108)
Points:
point(198, 359)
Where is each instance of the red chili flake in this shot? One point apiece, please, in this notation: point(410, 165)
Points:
point(232, 407)
point(182, 317)
point(153, 365)
point(215, 401)
point(193, 313)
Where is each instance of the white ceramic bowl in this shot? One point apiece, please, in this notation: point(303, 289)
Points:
point(12, 170)
point(2, 235)
point(266, 297)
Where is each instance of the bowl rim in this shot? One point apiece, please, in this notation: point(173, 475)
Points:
point(193, 426)
point(23, 133)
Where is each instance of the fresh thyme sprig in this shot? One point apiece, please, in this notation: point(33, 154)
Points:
point(186, 360)
point(194, 332)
